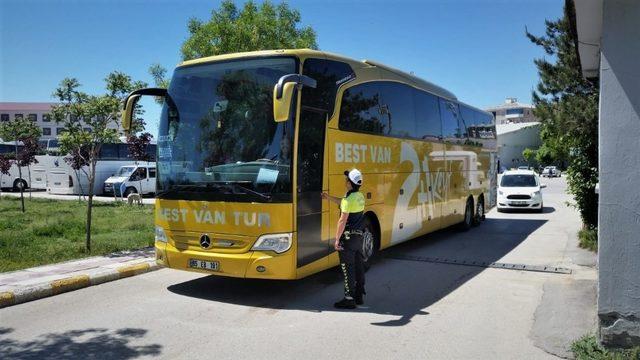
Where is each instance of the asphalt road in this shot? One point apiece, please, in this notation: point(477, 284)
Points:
point(414, 309)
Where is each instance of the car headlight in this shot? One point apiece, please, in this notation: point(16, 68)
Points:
point(500, 192)
point(273, 242)
point(535, 193)
point(160, 234)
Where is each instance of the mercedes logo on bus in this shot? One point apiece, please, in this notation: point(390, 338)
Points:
point(205, 241)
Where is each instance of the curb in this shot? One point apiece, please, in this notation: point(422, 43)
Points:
point(39, 291)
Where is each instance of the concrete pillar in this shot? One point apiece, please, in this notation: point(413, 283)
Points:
point(619, 205)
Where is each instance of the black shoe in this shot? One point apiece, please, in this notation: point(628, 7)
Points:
point(345, 304)
point(359, 299)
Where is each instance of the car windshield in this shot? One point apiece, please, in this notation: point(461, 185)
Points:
point(518, 181)
point(218, 140)
point(125, 170)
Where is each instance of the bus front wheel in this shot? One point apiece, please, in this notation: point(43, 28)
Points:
point(370, 241)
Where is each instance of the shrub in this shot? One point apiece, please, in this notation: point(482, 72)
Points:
point(589, 239)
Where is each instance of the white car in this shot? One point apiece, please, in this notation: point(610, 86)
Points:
point(140, 179)
point(520, 189)
point(551, 171)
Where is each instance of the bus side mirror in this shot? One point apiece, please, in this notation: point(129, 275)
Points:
point(127, 114)
point(132, 99)
point(283, 94)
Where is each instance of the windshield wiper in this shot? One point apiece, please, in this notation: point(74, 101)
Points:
point(215, 186)
point(238, 185)
point(190, 187)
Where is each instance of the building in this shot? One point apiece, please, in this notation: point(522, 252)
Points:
point(513, 112)
point(513, 139)
point(607, 40)
point(36, 112)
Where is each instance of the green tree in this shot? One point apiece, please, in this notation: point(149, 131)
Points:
point(529, 155)
point(25, 131)
point(254, 27)
point(102, 114)
point(567, 105)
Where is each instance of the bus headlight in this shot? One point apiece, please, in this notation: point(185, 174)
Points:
point(273, 242)
point(160, 234)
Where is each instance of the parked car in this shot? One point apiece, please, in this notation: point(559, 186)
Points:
point(139, 179)
point(551, 171)
point(520, 189)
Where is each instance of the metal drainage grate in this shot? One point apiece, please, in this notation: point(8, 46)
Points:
point(496, 265)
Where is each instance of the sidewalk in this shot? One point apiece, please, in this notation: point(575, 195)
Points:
point(30, 284)
point(46, 195)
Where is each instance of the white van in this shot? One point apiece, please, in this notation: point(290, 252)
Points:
point(62, 179)
point(138, 178)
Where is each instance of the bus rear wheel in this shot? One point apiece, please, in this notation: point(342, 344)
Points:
point(479, 215)
point(370, 241)
point(19, 185)
point(468, 216)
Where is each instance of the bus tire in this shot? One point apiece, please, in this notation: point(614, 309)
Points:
point(130, 190)
point(468, 216)
point(479, 213)
point(19, 183)
point(370, 242)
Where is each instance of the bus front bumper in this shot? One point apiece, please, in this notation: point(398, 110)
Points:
point(251, 264)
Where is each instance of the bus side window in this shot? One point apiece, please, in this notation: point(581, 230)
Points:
point(397, 109)
point(428, 125)
point(453, 130)
point(152, 172)
point(360, 110)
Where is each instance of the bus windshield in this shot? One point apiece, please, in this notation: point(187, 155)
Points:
point(217, 139)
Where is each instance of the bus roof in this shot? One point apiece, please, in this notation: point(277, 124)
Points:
point(409, 78)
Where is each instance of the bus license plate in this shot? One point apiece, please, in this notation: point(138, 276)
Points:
point(205, 265)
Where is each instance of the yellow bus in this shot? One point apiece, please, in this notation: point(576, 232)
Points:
point(247, 142)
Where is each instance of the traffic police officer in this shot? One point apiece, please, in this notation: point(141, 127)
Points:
point(348, 241)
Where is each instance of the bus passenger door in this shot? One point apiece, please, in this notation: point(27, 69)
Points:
point(311, 136)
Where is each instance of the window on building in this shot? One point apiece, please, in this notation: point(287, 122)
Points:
point(33, 117)
point(515, 112)
point(59, 131)
point(360, 110)
point(428, 125)
point(46, 131)
point(4, 117)
point(46, 117)
point(17, 116)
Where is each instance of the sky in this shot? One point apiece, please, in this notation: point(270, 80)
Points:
point(475, 48)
